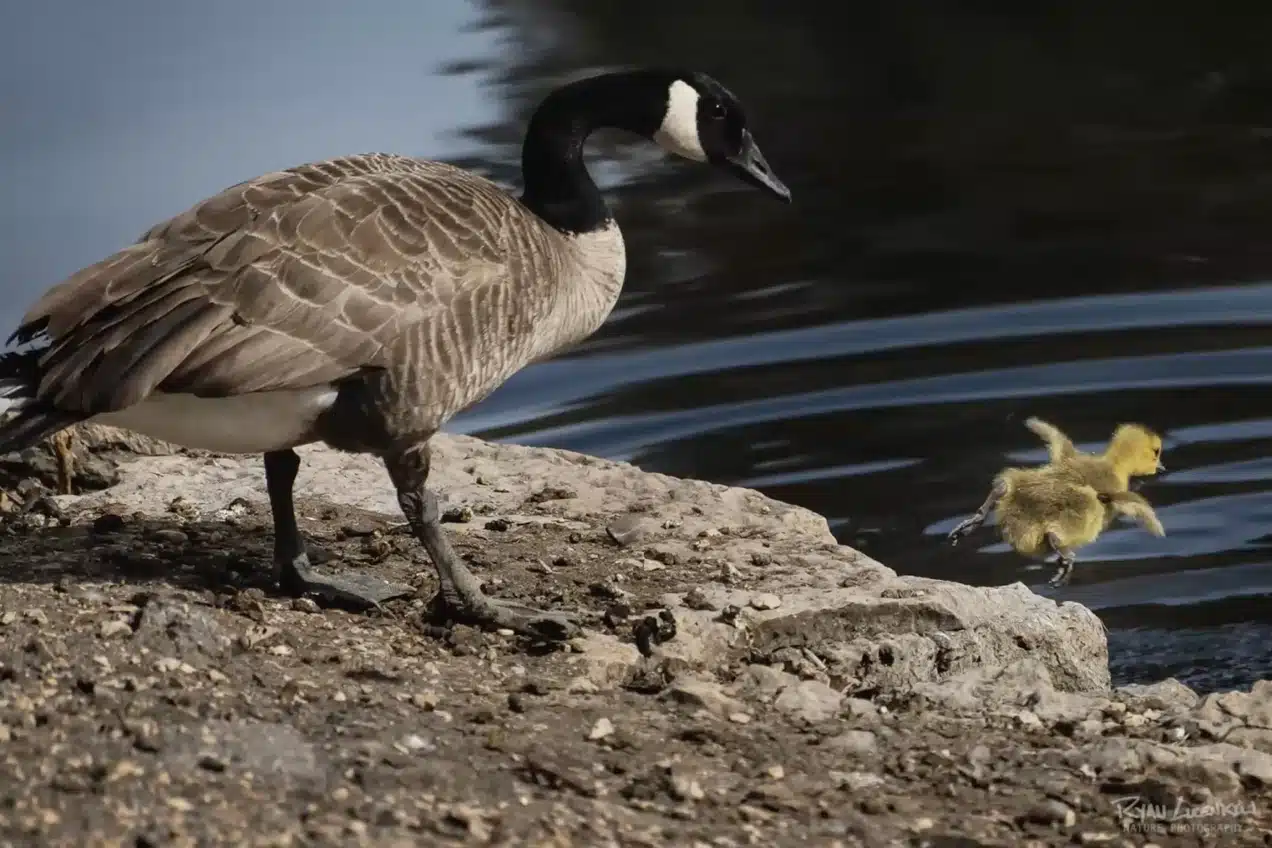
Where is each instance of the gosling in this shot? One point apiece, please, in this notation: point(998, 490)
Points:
point(1039, 514)
point(1066, 503)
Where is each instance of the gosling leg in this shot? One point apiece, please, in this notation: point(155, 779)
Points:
point(1064, 560)
point(978, 518)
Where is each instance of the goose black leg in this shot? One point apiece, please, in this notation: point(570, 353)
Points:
point(459, 596)
point(1065, 562)
point(961, 531)
point(295, 573)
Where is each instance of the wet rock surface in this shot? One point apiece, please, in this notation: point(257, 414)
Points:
point(156, 689)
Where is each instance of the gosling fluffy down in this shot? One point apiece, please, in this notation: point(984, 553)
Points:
point(1133, 451)
point(1039, 514)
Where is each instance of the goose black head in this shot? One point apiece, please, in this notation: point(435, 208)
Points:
point(703, 121)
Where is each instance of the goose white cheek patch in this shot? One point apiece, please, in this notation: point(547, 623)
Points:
point(679, 131)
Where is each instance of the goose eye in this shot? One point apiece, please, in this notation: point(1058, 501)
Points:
point(715, 110)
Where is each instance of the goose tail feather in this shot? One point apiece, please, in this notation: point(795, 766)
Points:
point(33, 421)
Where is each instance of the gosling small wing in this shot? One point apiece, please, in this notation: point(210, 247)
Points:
point(1136, 507)
point(1059, 446)
point(271, 285)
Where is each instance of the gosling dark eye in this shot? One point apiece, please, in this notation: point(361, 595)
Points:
point(715, 110)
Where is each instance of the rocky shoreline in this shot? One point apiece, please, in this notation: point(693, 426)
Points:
point(155, 690)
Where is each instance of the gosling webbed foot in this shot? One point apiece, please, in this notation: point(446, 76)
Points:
point(1064, 562)
point(1062, 575)
point(980, 516)
point(962, 531)
point(298, 577)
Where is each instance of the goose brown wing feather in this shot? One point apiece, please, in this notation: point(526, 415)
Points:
point(288, 281)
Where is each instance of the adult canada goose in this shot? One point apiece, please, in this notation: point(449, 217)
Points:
point(361, 302)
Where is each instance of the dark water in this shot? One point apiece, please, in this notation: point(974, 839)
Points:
point(1061, 212)
point(1001, 210)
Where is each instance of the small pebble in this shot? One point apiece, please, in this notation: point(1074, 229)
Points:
point(696, 599)
point(581, 686)
point(122, 770)
point(108, 523)
point(167, 665)
point(114, 627)
point(739, 718)
point(775, 772)
point(170, 535)
point(308, 605)
point(1028, 718)
point(457, 515)
point(1051, 812)
point(766, 601)
point(626, 529)
point(603, 727)
point(213, 763)
point(415, 742)
point(686, 788)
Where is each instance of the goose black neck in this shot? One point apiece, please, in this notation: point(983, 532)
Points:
point(558, 187)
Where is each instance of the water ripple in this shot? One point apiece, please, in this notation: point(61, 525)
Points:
point(555, 385)
point(625, 437)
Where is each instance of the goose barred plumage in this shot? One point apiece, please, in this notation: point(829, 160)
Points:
point(360, 302)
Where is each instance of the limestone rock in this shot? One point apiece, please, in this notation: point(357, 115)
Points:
point(851, 618)
point(810, 700)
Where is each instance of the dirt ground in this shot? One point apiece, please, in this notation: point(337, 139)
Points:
point(155, 690)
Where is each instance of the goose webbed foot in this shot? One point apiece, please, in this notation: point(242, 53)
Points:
point(459, 598)
point(296, 574)
point(1064, 562)
point(494, 614)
